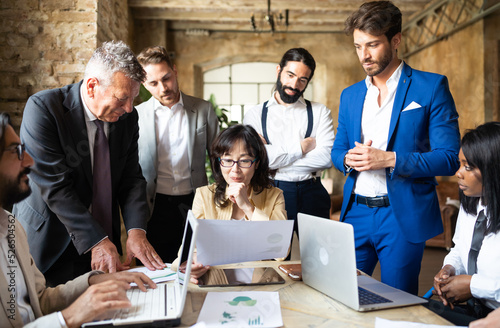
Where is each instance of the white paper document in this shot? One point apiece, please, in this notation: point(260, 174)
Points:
point(225, 242)
point(241, 309)
point(158, 275)
point(384, 323)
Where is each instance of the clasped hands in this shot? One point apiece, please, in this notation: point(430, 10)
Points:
point(363, 157)
point(105, 256)
point(450, 288)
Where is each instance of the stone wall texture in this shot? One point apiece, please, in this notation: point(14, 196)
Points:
point(46, 44)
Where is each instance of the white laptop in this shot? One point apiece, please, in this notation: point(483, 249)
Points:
point(163, 306)
point(329, 265)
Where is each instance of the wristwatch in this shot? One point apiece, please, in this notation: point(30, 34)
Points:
point(347, 168)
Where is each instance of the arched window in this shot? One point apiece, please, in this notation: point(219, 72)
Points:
point(238, 87)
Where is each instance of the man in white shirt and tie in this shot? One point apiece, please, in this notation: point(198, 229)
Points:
point(176, 131)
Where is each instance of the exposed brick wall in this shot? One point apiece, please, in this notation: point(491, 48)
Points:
point(46, 44)
point(112, 21)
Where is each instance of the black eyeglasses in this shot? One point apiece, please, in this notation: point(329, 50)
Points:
point(243, 163)
point(19, 148)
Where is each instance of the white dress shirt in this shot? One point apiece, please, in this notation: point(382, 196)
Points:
point(91, 127)
point(174, 172)
point(485, 284)
point(286, 128)
point(10, 267)
point(375, 123)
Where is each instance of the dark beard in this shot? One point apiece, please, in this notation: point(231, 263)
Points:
point(16, 193)
point(286, 97)
point(382, 65)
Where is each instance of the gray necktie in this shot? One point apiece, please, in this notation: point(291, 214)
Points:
point(477, 241)
point(101, 191)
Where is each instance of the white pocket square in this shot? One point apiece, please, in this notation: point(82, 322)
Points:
point(411, 106)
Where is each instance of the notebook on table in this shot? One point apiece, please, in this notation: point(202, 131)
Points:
point(163, 306)
point(328, 260)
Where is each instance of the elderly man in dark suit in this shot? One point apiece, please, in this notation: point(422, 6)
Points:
point(83, 138)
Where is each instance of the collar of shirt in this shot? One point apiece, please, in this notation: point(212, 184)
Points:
point(392, 82)
point(175, 107)
point(481, 207)
point(273, 101)
point(89, 116)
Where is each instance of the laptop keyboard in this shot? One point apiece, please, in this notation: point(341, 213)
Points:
point(367, 297)
point(145, 305)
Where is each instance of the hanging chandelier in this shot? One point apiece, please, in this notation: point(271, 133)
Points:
point(270, 22)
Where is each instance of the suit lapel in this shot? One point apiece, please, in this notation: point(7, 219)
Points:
point(148, 123)
point(75, 120)
point(191, 114)
point(30, 282)
point(357, 112)
point(5, 296)
point(401, 92)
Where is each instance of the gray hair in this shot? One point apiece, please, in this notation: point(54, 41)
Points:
point(112, 57)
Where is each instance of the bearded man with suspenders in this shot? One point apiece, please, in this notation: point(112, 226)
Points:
point(298, 135)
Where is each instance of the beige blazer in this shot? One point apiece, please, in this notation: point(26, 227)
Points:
point(43, 300)
point(269, 205)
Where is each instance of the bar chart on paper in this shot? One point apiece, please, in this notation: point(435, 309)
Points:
point(255, 322)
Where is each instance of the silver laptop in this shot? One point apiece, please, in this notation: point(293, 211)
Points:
point(163, 306)
point(329, 265)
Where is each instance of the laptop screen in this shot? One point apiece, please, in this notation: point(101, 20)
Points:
point(188, 245)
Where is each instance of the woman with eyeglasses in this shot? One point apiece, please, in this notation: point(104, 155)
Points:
point(243, 188)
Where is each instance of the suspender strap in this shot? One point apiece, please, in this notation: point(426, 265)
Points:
point(309, 121)
point(264, 122)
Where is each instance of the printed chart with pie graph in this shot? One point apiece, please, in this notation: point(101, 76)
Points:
point(241, 309)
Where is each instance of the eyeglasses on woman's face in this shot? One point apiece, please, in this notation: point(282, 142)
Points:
point(243, 163)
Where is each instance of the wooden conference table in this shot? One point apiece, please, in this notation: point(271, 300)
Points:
point(303, 306)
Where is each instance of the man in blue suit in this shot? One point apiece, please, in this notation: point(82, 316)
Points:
point(398, 129)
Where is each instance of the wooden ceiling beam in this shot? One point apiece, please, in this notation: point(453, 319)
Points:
point(313, 15)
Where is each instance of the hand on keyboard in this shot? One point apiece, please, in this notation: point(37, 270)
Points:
point(96, 301)
point(138, 278)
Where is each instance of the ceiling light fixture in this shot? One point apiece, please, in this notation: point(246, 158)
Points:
point(273, 20)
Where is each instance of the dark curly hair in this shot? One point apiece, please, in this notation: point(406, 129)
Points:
point(299, 55)
point(375, 18)
point(262, 177)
